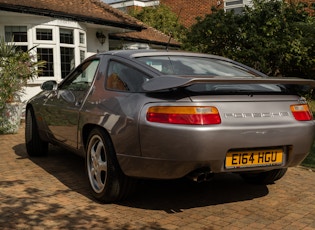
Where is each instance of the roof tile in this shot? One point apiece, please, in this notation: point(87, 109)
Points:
point(93, 11)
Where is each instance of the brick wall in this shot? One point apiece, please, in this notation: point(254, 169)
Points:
point(191, 9)
point(199, 8)
point(309, 3)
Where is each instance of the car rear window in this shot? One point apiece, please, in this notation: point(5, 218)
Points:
point(201, 66)
point(237, 88)
point(176, 65)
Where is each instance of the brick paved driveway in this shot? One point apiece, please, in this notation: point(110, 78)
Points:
point(53, 193)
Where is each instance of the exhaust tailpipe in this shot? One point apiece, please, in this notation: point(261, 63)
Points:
point(200, 176)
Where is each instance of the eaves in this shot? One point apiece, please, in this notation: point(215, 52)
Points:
point(69, 16)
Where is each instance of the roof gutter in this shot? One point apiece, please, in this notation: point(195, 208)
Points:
point(74, 17)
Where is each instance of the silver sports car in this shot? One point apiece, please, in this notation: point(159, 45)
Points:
point(170, 114)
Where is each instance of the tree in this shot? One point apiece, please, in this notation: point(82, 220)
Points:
point(217, 33)
point(269, 36)
point(161, 18)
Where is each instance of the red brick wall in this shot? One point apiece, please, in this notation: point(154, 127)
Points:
point(309, 8)
point(199, 8)
point(191, 9)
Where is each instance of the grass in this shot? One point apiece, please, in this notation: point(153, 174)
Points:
point(310, 159)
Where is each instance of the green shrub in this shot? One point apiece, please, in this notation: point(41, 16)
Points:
point(16, 68)
point(310, 159)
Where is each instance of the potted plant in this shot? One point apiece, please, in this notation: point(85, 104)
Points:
point(16, 68)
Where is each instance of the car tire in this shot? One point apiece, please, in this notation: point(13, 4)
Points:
point(107, 181)
point(268, 177)
point(35, 146)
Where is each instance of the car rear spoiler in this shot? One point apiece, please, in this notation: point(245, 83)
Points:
point(168, 81)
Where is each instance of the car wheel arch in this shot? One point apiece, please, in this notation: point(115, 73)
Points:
point(87, 129)
point(43, 134)
point(108, 183)
point(35, 144)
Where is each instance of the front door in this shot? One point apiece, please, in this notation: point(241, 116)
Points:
point(63, 105)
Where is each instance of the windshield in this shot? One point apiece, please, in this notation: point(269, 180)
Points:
point(176, 65)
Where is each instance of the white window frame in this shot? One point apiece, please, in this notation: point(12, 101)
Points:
point(84, 34)
point(19, 43)
point(53, 44)
point(41, 79)
point(240, 5)
point(83, 50)
point(73, 33)
point(52, 28)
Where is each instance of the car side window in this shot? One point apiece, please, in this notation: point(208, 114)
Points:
point(82, 78)
point(122, 77)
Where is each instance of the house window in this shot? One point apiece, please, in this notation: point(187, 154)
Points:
point(46, 54)
point(44, 34)
point(82, 55)
point(82, 38)
point(235, 5)
point(67, 60)
point(66, 36)
point(22, 48)
point(230, 3)
point(15, 33)
point(237, 10)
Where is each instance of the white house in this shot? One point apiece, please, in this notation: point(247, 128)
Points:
point(124, 4)
point(65, 32)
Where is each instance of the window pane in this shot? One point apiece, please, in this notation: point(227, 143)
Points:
point(82, 55)
point(22, 48)
point(234, 3)
point(44, 34)
point(15, 33)
point(82, 38)
point(66, 36)
point(237, 10)
point(87, 75)
point(124, 78)
point(46, 55)
point(67, 60)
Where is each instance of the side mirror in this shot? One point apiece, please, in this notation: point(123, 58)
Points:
point(49, 85)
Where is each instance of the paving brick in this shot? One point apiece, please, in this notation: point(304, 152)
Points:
point(52, 193)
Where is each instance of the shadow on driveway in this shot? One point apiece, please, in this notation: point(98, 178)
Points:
point(171, 196)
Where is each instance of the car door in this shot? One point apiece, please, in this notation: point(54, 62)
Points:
point(64, 104)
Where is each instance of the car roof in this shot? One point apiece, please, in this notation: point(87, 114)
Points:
point(132, 54)
point(152, 52)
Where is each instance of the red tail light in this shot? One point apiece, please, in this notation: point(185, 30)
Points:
point(188, 115)
point(301, 112)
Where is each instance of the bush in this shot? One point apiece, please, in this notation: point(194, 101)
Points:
point(16, 68)
point(274, 37)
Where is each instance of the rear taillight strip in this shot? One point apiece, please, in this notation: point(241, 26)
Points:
point(188, 115)
point(301, 112)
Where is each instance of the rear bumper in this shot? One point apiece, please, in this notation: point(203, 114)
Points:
point(169, 153)
point(169, 169)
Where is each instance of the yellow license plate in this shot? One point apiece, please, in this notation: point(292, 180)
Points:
point(254, 158)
